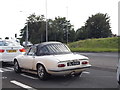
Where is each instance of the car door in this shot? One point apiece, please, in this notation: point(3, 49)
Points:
point(28, 59)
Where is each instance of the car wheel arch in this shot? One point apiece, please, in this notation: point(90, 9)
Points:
point(16, 64)
point(15, 60)
point(40, 64)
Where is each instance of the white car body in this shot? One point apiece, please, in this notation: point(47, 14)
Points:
point(56, 64)
point(10, 49)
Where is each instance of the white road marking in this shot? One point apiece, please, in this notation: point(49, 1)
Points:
point(1, 70)
point(86, 72)
point(4, 77)
point(10, 68)
point(28, 76)
point(22, 85)
point(6, 69)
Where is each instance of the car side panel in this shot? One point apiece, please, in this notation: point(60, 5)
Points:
point(48, 62)
point(27, 62)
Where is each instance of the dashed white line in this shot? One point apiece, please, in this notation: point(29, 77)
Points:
point(22, 85)
point(86, 72)
point(1, 70)
point(4, 77)
point(28, 76)
point(10, 68)
point(6, 70)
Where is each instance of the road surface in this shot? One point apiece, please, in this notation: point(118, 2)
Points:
point(102, 74)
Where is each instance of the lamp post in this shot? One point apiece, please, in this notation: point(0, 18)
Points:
point(46, 24)
point(67, 24)
point(26, 38)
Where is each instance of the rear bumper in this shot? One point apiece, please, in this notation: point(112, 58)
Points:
point(7, 58)
point(68, 71)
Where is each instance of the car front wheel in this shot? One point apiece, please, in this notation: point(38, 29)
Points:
point(42, 74)
point(17, 69)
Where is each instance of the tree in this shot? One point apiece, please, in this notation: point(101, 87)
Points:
point(36, 29)
point(81, 33)
point(98, 26)
point(58, 29)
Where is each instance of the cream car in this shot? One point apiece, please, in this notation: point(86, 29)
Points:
point(51, 58)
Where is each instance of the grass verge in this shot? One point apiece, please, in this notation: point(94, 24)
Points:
point(93, 50)
point(95, 45)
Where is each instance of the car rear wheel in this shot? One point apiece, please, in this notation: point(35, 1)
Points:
point(42, 74)
point(17, 69)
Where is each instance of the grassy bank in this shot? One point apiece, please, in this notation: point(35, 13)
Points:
point(95, 45)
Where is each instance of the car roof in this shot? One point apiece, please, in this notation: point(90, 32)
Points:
point(47, 43)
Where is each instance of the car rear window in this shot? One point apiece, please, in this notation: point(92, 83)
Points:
point(58, 48)
point(7, 43)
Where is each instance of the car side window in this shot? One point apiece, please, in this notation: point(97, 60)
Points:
point(43, 51)
point(30, 52)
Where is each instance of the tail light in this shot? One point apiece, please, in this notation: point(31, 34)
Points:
point(61, 65)
point(85, 62)
point(1, 50)
point(22, 50)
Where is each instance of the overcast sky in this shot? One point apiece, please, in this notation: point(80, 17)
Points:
point(13, 13)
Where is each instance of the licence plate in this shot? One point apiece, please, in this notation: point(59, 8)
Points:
point(73, 63)
point(10, 51)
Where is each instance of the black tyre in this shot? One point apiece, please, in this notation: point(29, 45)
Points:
point(17, 69)
point(42, 74)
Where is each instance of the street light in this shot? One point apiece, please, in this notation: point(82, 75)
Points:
point(26, 38)
point(46, 24)
point(67, 24)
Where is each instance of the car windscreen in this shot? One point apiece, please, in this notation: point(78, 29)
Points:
point(58, 49)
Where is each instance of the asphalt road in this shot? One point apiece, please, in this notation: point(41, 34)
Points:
point(103, 60)
point(101, 75)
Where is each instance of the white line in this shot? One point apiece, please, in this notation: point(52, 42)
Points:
point(10, 68)
point(86, 72)
point(22, 85)
point(4, 77)
point(28, 76)
point(1, 70)
point(4, 69)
